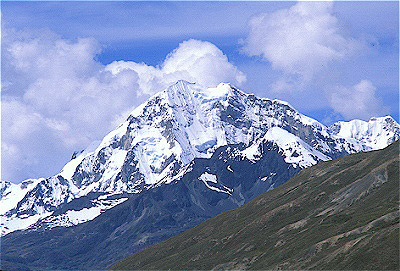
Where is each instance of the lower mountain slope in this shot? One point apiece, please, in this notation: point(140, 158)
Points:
point(337, 215)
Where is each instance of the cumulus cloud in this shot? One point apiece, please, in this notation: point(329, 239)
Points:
point(194, 61)
point(358, 101)
point(56, 98)
point(300, 40)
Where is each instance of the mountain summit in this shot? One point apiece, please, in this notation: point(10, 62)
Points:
point(162, 136)
point(217, 148)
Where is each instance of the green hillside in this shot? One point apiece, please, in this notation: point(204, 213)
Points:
point(337, 215)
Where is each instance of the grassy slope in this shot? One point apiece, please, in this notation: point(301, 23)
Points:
point(340, 214)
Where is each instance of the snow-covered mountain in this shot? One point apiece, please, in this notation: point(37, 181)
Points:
point(377, 133)
point(160, 140)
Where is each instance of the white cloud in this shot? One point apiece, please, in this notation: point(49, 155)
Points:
point(358, 101)
point(300, 40)
point(57, 98)
point(194, 61)
point(202, 62)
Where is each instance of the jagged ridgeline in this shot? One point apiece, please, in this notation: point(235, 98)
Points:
point(337, 215)
point(185, 155)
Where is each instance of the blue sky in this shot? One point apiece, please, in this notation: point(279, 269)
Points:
point(358, 63)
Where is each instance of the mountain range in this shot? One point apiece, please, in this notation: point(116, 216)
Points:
point(182, 157)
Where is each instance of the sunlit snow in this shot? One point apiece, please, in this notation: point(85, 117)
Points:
point(162, 137)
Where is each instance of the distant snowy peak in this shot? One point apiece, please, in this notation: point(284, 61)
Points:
point(376, 133)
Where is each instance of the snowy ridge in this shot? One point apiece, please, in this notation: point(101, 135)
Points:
point(294, 150)
point(74, 217)
point(161, 137)
point(12, 193)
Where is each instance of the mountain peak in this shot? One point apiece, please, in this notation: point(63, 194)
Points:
point(162, 137)
point(187, 90)
point(376, 133)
